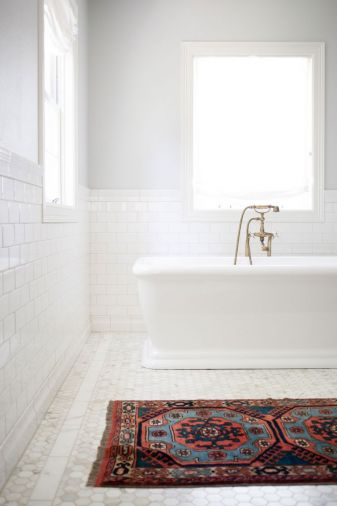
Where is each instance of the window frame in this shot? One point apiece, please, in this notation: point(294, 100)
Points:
point(315, 50)
point(56, 213)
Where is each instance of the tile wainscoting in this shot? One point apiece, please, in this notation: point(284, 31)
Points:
point(127, 224)
point(44, 303)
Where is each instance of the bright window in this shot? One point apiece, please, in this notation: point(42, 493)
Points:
point(58, 108)
point(254, 127)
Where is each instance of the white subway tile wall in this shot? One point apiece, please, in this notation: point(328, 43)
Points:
point(127, 224)
point(44, 303)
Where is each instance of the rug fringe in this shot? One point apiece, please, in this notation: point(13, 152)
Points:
point(91, 482)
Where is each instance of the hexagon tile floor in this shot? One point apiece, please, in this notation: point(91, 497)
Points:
point(55, 466)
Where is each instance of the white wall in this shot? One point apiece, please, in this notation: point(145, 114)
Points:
point(44, 274)
point(19, 77)
point(19, 80)
point(134, 81)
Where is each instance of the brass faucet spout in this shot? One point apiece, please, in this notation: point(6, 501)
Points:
point(261, 234)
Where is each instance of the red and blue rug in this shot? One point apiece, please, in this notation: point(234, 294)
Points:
point(212, 442)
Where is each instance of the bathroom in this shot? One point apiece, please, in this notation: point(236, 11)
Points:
point(79, 305)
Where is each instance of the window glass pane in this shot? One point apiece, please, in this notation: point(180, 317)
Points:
point(69, 132)
point(252, 132)
point(52, 152)
point(52, 182)
point(50, 73)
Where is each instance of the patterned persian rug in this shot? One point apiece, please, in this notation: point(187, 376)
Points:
point(205, 442)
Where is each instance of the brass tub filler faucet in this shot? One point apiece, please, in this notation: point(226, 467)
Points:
point(261, 234)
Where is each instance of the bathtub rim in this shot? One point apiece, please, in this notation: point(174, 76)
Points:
point(211, 265)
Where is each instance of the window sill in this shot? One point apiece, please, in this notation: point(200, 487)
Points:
point(60, 214)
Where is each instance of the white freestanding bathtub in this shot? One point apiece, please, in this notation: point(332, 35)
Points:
point(206, 313)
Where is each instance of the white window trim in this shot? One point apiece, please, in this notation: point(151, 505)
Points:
point(316, 50)
point(55, 213)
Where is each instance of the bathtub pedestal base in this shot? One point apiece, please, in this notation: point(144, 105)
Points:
point(239, 359)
